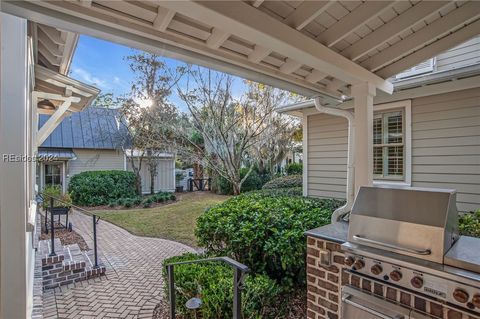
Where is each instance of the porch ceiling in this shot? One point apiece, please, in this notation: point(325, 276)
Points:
point(312, 47)
point(50, 82)
point(53, 48)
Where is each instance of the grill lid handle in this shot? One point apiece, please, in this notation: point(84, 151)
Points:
point(363, 239)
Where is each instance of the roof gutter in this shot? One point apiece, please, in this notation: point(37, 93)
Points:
point(350, 194)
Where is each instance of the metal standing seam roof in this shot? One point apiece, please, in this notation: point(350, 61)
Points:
point(60, 154)
point(93, 128)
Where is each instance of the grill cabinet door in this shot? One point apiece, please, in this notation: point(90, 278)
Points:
point(356, 304)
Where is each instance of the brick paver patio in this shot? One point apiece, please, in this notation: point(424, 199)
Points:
point(133, 284)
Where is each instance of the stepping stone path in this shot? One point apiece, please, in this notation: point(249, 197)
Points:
point(130, 288)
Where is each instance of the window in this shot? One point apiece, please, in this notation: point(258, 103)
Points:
point(389, 145)
point(53, 174)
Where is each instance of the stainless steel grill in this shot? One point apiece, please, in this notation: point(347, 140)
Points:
point(417, 222)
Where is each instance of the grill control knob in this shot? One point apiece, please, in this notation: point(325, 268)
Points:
point(396, 275)
point(460, 295)
point(359, 264)
point(376, 269)
point(349, 260)
point(417, 282)
point(476, 300)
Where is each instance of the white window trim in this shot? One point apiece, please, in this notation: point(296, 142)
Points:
point(407, 106)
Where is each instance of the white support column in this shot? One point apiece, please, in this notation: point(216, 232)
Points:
point(15, 249)
point(363, 142)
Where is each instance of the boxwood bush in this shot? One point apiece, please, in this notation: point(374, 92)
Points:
point(469, 224)
point(101, 187)
point(294, 169)
point(284, 182)
point(213, 283)
point(265, 232)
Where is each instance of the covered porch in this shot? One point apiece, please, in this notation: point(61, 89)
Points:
point(340, 54)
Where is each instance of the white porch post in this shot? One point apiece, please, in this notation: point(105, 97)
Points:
point(363, 142)
point(14, 95)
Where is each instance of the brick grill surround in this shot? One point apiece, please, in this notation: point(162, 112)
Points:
point(324, 287)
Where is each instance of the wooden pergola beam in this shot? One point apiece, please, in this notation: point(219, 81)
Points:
point(243, 20)
point(425, 53)
point(163, 18)
point(352, 21)
point(306, 13)
point(444, 25)
point(394, 27)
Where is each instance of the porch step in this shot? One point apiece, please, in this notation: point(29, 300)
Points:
point(69, 265)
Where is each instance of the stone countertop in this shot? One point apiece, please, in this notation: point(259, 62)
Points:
point(465, 254)
point(336, 232)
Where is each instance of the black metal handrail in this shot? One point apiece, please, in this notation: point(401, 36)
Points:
point(239, 271)
point(95, 218)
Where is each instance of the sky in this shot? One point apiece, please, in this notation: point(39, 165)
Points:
point(102, 64)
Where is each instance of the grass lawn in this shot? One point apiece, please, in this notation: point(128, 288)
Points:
point(174, 221)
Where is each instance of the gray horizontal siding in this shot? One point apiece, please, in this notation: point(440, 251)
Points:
point(460, 56)
point(327, 156)
point(446, 144)
point(94, 160)
point(445, 148)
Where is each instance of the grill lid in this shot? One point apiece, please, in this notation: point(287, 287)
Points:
point(418, 222)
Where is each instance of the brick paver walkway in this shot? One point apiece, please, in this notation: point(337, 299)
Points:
point(133, 284)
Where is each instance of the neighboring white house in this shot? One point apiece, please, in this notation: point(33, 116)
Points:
point(426, 134)
point(91, 140)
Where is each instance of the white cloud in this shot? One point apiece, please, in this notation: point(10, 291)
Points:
point(87, 77)
point(116, 80)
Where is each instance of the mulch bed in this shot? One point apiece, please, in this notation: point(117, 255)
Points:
point(66, 237)
point(122, 208)
point(295, 307)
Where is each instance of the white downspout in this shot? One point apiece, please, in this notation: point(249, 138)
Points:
point(341, 211)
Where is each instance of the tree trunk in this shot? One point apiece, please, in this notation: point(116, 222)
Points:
point(152, 183)
point(138, 183)
point(236, 188)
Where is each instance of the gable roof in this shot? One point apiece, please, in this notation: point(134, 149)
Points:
point(93, 128)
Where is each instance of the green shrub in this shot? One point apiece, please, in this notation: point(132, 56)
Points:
point(137, 201)
point(128, 203)
point(112, 203)
point(56, 192)
point(469, 224)
point(253, 181)
point(173, 197)
point(265, 232)
point(213, 283)
point(147, 202)
point(291, 191)
point(99, 187)
point(294, 169)
point(284, 182)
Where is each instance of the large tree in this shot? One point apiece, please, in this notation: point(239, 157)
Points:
point(231, 128)
point(147, 113)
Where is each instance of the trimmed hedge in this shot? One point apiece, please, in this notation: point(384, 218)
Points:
point(213, 283)
point(294, 169)
point(469, 224)
point(291, 191)
point(265, 232)
point(96, 188)
point(284, 182)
